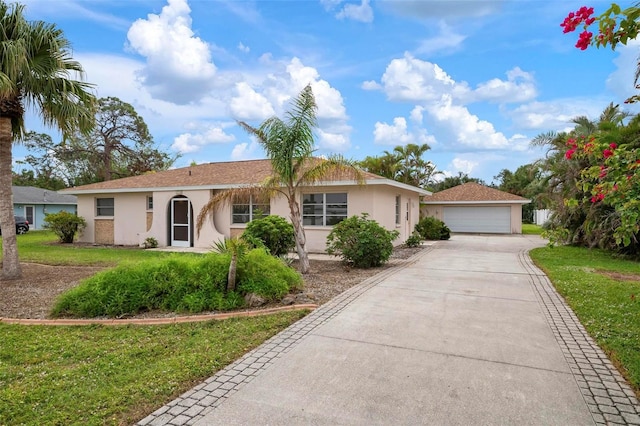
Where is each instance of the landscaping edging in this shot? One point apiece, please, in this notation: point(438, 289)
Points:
point(158, 321)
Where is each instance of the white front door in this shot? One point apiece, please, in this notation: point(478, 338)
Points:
point(180, 222)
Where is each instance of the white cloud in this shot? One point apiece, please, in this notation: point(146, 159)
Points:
point(446, 40)
point(392, 134)
point(193, 142)
point(416, 114)
point(334, 142)
point(243, 48)
point(398, 133)
point(412, 80)
point(370, 85)
point(519, 87)
point(250, 105)
point(466, 130)
point(361, 12)
point(246, 151)
point(179, 66)
point(555, 115)
point(464, 166)
point(621, 80)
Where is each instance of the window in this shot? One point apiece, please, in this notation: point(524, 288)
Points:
point(149, 202)
point(397, 210)
point(104, 206)
point(245, 209)
point(324, 209)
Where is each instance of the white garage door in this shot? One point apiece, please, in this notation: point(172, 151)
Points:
point(492, 220)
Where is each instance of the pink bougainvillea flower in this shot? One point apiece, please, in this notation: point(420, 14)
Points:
point(613, 145)
point(584, 40)
point(607, 153)
point(603, 172)
point(569, 153)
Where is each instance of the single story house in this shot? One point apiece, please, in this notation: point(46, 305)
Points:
point(163, 205)
point(476, 208)
point(34, 203)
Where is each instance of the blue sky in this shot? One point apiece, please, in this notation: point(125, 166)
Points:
point(475, 79)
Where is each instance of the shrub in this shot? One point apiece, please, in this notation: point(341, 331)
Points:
point(361, 242)
point(267, 276)
point(65, 225)
point(275, 232)
point(414, 240)
point(150, 242)
point(177, 283)
point(431, 228)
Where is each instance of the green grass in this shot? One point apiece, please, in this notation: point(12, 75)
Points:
point(531, 229)
point(42, 247)
point(97, 375)
point(608, 308)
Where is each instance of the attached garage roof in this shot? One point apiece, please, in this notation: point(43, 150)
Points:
point(473, 193)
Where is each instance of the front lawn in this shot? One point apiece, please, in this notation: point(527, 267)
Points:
point(95, 375)
point(42, 247)
point(531, 229)
point(604, 292)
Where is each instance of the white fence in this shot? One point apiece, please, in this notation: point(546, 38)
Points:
point(541, 216)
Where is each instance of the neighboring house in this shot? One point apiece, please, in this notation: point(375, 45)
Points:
point(163, 205)
point(34, 203)
point(476, 208)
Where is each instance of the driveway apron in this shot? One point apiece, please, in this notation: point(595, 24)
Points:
point(458, 335)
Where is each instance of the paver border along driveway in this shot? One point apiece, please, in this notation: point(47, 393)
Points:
point(550, 370)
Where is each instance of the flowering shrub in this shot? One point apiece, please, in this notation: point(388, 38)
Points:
point(615, 26)
point(612, 178)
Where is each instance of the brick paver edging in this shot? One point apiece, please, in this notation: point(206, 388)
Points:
point(194, 404)
point(158, 321)
point(609, 397)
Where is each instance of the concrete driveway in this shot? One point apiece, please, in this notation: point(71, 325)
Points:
point(466, 333)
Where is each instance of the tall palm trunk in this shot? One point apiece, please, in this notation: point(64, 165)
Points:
point(301, 239)
point(10, 262)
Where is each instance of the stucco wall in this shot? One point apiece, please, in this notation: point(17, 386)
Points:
point(437, 211)
point(133, 223)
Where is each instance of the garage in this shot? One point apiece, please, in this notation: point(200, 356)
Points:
point(476, 208)
point(491, 220)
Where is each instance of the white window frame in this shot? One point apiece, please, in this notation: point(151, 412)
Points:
point(149, 203)
point(324, 208)
point(253, 206)
point(398, 210)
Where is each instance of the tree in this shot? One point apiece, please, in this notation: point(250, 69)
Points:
point(119, 146)
point(404, 164)
point(451, 181)
point(36, 69)
point(289, 145)
point(594, 181)
point(526, 182)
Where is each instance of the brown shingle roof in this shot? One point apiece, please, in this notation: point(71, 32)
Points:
point(473, 192)
point(222, 174)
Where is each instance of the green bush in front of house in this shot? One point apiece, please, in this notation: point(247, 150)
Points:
point(64, 224)
point(275, 232)
point(431, 228)
point(361, 242)
point(176, 284)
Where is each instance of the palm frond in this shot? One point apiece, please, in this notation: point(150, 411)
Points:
point(228, 196)
point(333, 168)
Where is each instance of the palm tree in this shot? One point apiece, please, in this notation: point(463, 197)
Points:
point(35, 70)
point(289, 145)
